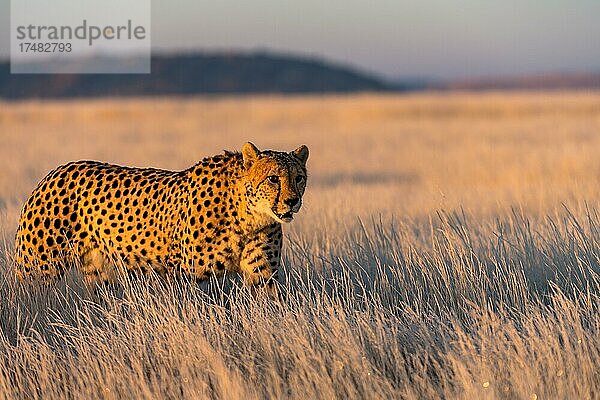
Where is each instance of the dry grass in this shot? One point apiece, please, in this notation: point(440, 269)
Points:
point(449, 247)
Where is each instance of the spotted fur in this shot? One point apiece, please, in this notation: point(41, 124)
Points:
point(224, 213)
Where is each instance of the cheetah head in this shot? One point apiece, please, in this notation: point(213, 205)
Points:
point(275, 181)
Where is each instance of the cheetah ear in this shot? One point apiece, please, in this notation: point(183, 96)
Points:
point(302, 153)
point(249, 154)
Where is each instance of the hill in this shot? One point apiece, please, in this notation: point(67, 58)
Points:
point(198, 73)
point(264, 72)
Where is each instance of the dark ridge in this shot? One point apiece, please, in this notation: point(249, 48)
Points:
point(218, 73)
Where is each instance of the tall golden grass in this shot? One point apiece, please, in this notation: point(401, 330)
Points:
point(449, 247)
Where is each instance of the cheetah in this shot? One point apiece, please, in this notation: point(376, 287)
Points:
point(225, 213)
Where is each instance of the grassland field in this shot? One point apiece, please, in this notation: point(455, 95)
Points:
point(448, 247)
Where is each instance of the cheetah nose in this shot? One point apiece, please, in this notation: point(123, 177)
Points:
point(292, 202)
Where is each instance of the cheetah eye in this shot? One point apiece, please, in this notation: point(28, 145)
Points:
point(273, 178)
point(300, 179)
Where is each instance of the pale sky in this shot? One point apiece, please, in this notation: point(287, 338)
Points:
point(428, 38)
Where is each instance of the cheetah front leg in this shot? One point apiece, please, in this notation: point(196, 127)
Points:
point(261, 259)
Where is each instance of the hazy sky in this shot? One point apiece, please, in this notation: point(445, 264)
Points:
point(428, 38)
